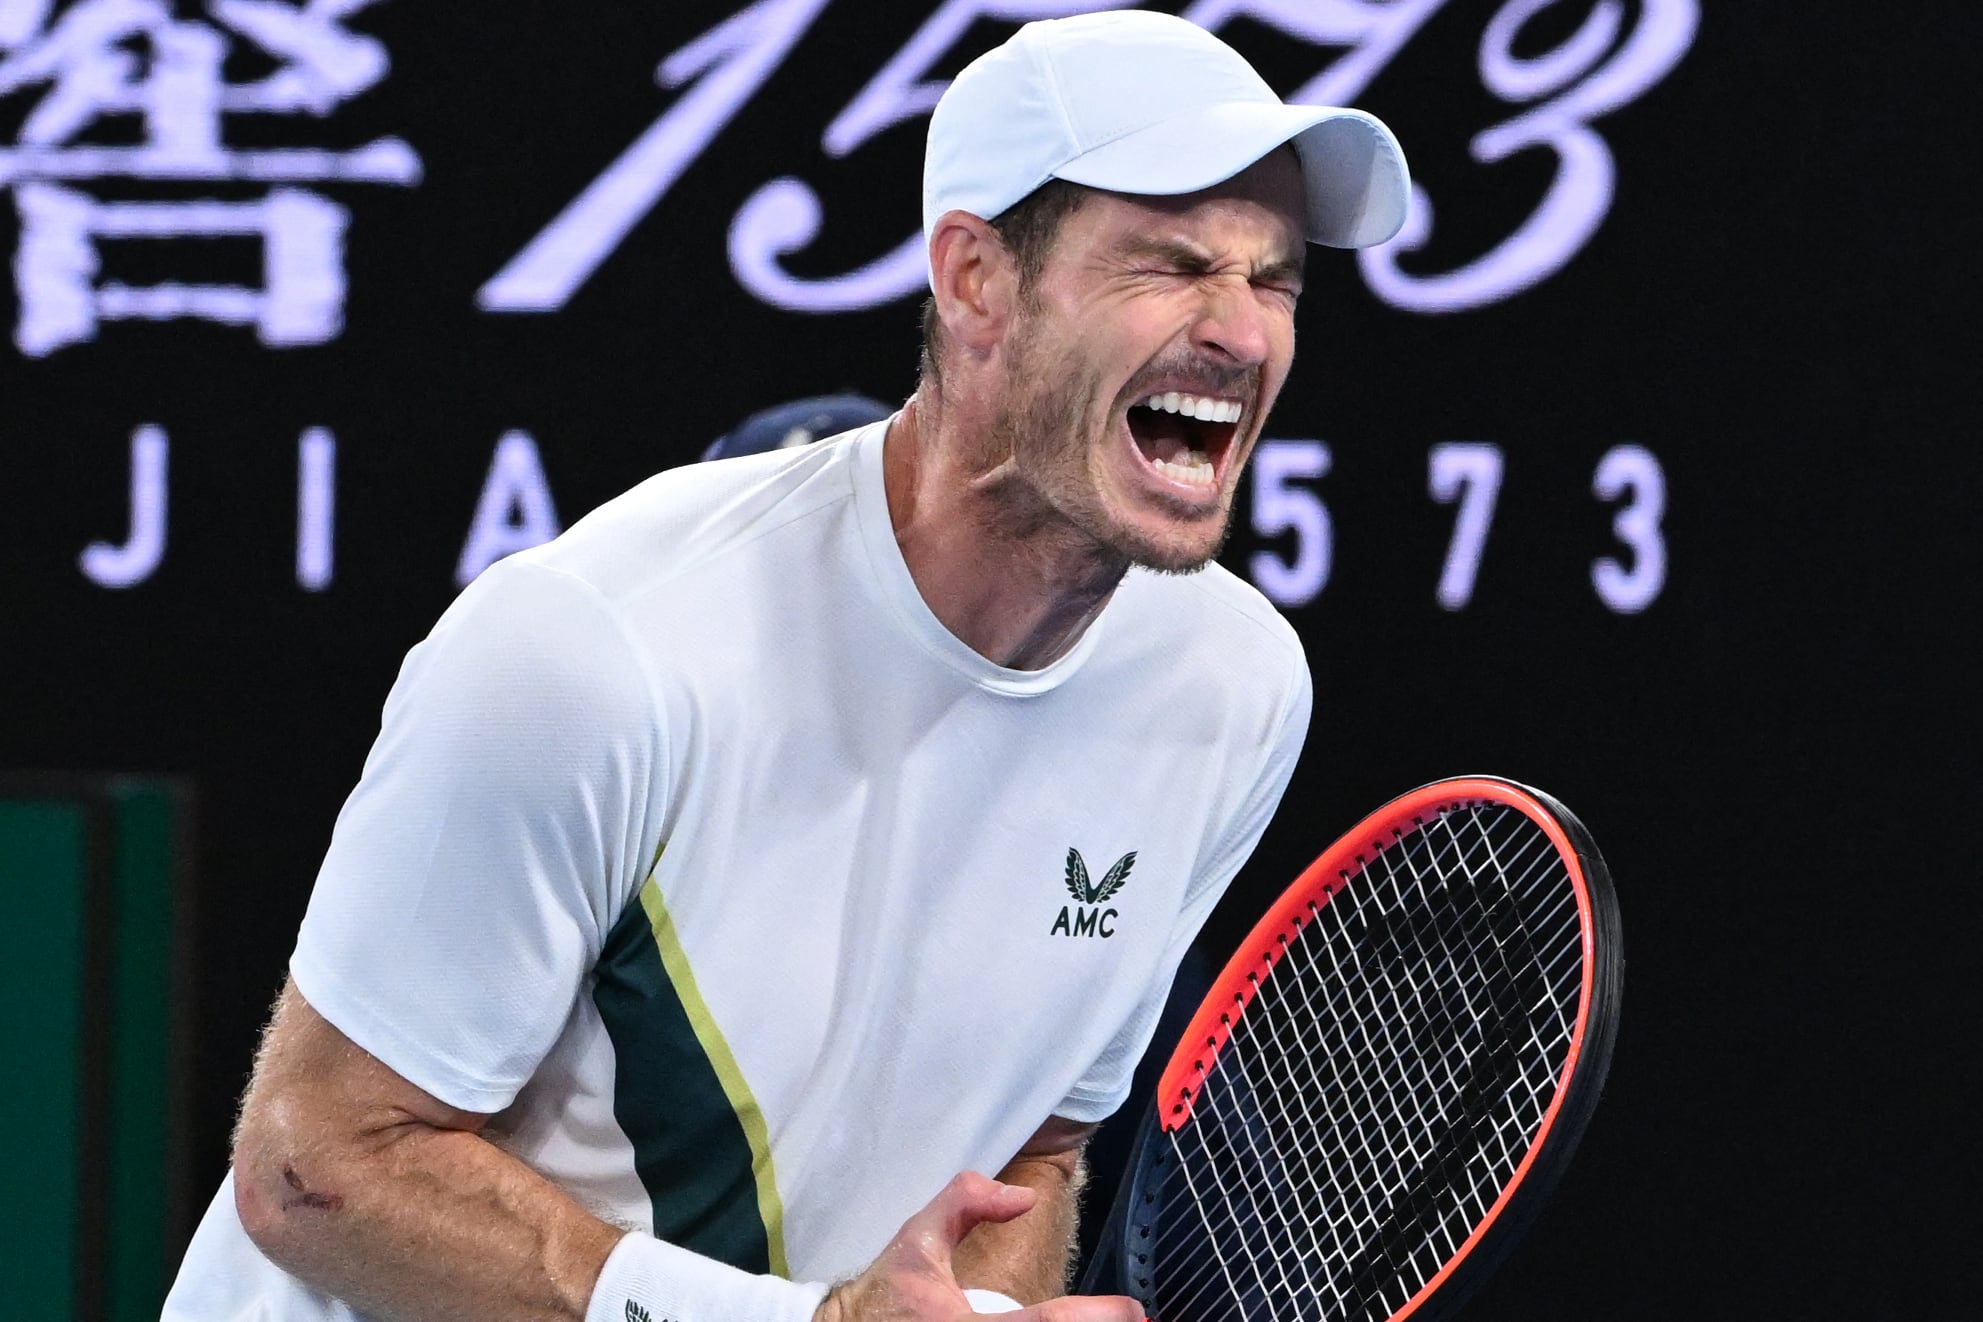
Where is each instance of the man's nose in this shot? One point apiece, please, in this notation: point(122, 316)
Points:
point(1233, 325)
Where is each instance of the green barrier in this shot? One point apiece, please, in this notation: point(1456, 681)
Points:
point(91, 877)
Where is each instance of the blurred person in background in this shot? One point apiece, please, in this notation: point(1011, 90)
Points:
point(797, 422)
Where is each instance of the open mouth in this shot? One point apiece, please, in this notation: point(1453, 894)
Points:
point(1185, 438)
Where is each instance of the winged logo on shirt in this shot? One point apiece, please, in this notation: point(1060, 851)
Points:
point(1085, 891)
point(1086, 917)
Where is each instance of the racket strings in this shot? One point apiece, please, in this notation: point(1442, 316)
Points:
point(1380, 1090)
point(1301, 1167)
point(1338, 1248)
point(1390, 1155)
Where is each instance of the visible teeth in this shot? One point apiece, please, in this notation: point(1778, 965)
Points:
point(1194, 469)
point(1202, 407)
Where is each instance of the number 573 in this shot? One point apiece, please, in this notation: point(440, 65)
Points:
point(1467, 475)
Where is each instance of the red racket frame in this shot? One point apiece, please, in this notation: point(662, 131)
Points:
point(1334, 870)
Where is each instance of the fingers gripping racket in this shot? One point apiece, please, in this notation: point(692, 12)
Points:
point(1387, 1078)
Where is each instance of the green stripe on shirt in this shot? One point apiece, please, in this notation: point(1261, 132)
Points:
point(700, 1143)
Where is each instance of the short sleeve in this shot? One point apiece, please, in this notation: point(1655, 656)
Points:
point(1105, 1086)
point(502, 818)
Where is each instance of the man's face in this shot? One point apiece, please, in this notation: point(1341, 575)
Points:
point(1150, 311)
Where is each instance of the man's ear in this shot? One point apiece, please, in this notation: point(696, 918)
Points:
point(974, 281)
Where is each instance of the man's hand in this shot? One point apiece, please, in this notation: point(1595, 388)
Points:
point(912, 1280)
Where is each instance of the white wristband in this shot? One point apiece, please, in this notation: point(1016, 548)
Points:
point(991, 1301)
point(649, 1280)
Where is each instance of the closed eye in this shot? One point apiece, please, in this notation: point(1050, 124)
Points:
point(1282, 277)
point(1178, 270)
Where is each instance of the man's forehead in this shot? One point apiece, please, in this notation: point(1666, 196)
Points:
point(1216, 224)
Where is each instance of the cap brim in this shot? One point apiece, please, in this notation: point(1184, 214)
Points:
point(1354, 170)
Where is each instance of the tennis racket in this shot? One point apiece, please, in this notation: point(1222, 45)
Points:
point(1388, 1077)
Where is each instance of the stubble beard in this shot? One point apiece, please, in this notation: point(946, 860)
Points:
point(1046, 424)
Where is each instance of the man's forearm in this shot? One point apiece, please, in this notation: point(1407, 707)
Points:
point(370, 1189)
point(429, 1224)
point(1028, 1257)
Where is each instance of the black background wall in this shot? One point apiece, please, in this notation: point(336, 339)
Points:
point(1772, 306)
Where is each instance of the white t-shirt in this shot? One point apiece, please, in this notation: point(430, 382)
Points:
point(698, 848)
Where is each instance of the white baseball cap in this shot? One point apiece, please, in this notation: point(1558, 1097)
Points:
point(1139, 102)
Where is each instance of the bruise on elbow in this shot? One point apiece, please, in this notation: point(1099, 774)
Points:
point(302, 1197)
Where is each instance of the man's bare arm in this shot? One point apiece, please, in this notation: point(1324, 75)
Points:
point(363, 1185)
point(369, 1188)
point(1029, 1256)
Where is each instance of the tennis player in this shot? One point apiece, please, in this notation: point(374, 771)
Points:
point(756, 896)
